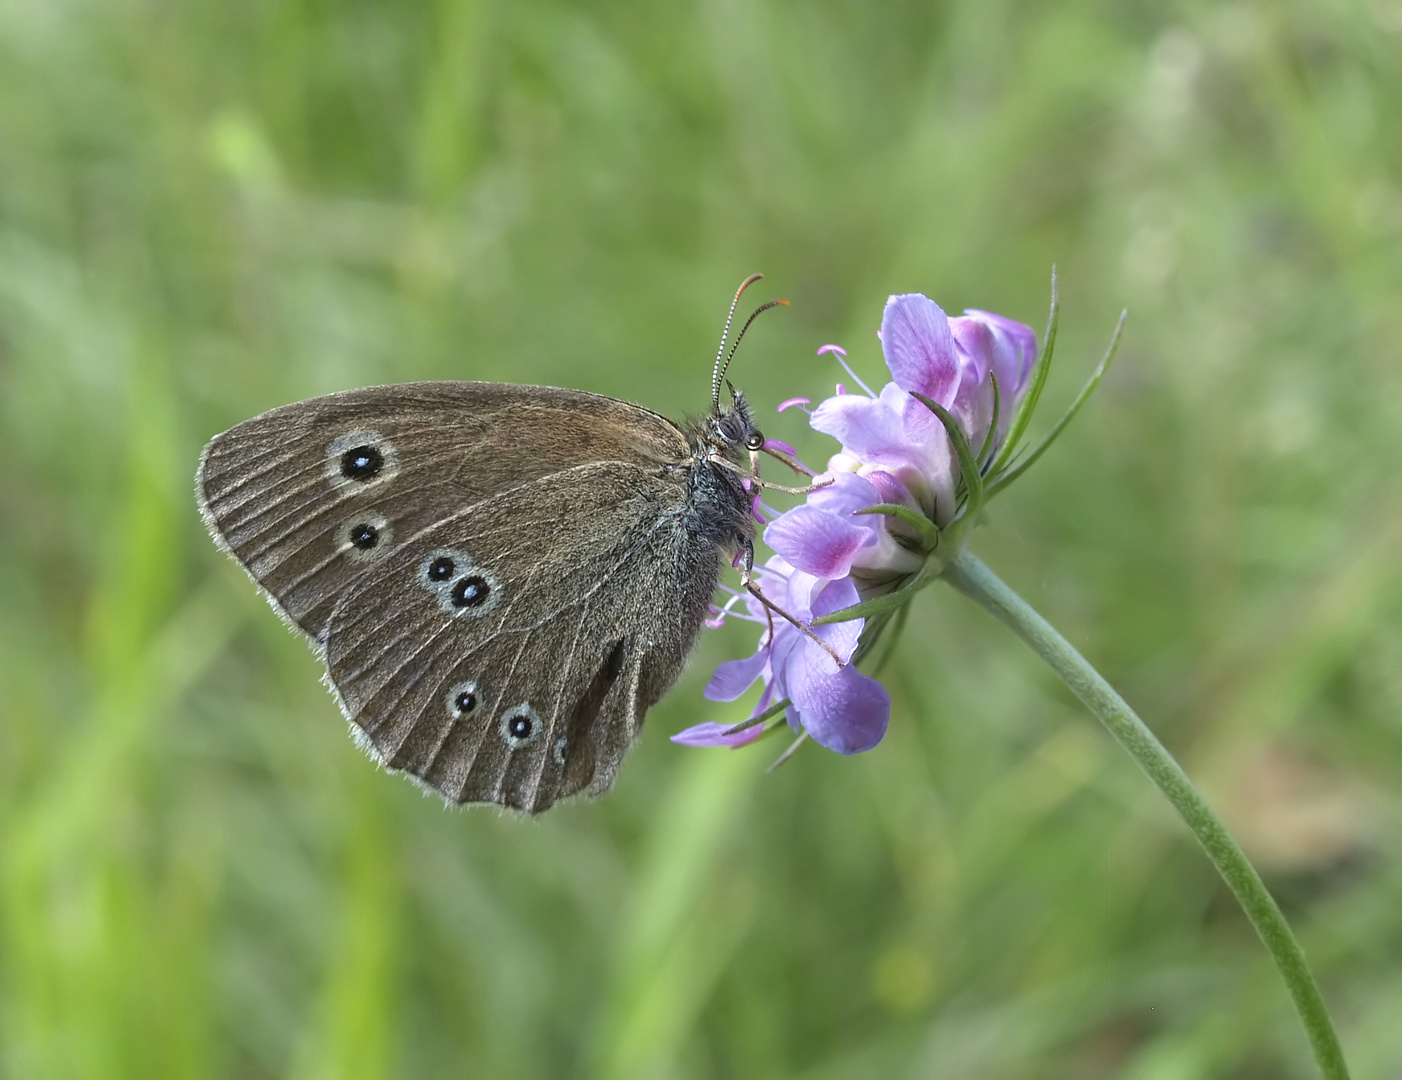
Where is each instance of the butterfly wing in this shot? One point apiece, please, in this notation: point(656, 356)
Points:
point(311, 496)
point(508, 653)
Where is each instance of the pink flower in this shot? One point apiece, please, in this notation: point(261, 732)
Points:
point(896, 454)
point(951, 361)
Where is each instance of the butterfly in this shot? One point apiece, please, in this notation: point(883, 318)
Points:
point(501, 580)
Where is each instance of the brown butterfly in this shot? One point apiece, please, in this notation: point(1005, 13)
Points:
point(501, 579)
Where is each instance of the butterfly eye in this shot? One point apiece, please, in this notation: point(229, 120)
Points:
point(754, 441)
point(520, 726)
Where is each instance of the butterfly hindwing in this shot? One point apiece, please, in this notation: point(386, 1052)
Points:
point(310, 496)
point(508, 653)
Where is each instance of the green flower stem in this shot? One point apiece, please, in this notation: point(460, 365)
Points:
point(972, 578)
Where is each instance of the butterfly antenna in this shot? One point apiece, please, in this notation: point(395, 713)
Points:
point(717, 373)
point(720, 372)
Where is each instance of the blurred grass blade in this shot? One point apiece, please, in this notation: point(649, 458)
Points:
point(685, 919)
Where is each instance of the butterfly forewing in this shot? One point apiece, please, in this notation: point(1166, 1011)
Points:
point(501, 579)
point(509, 652)
point(310, 496)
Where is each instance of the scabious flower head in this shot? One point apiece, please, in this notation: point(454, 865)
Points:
point(953, 362)
point(866, 527)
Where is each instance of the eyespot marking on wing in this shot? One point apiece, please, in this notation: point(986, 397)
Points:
point(475, 593)
point(437, 568)
point(462, 699)
point(462, 588)
point(364, 537)
point(521, 726)
point(360, 460)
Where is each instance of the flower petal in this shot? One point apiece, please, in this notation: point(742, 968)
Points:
point(869, 430)
point(842, 637)
point(797, 598)
point(889, 489)
point(844, 495)
point(817, 542)
point(846, 711)
point(919, 346)
point(1014, 350)
point(734, 677)
point(714, 733)
point(975, 340)
point(834, 596)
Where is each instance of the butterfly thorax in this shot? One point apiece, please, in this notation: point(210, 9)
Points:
point(718, 505)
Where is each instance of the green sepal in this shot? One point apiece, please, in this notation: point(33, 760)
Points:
point(897, 625)
point(1022, 416)
point(926, 529)
point(778, 725)
point(1013, 473)
point(877, 605)
point(993, 427)
point(872, 634)
point(973, 478)
point(793, 749)
point(773, 710)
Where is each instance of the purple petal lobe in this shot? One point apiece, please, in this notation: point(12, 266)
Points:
point(846, 711)
point(817, 542)
point(867, 429)
point(888, 488)
point(734, 677)
point(845, 495)
point(714, 733)
point(835, 596)
point(919, 346)
point(1014, 349)
point(975, 338)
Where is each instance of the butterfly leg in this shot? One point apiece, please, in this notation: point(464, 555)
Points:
point(777, 455)
point(752, 587)
point(758, 482)
point(767, 486)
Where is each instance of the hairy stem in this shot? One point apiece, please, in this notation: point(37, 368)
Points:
point(972, 578)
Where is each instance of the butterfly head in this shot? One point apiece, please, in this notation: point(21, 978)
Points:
point(733, 428)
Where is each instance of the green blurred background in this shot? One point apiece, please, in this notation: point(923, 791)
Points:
point(209, 209)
